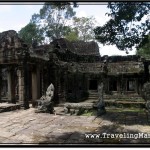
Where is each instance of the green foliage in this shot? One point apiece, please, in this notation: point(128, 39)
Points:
point(53, 18)
point(31, 33)
point(72, 36)
point(144, 50)
point(84, 27)
point(126, 27)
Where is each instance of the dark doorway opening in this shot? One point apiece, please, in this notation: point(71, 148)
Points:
point(113, 85)
point(93, 85)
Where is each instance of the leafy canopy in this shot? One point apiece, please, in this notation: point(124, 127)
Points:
point(84, 26)
point(49, 23)
point(31, 33)
point(82, 29)
point(53, 19)
point(129, 24)
point(144, 50)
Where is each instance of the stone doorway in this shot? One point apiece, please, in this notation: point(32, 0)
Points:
point(93, 84)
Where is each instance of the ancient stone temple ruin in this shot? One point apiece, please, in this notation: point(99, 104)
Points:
point(74, 68)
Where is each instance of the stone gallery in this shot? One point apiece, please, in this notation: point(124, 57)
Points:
point(76, 70)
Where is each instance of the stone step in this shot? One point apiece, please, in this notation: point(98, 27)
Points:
point(90, 97)
point(120, 96)
point(4, 99)
point(93, 94)
point(4, 107)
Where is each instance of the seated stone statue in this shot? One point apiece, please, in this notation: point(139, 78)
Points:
point(45, 103)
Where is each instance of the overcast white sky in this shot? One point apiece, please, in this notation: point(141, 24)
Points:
point(14, 17)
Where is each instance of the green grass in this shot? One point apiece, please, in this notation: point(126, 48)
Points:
point(89, 113)
point(125, 110)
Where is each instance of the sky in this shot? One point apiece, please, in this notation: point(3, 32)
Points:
point(15, 17)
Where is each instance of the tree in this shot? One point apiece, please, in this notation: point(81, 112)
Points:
point(30, 33)
point(84, 27)
point(72, 36)
point(127, 26)
point(53, 19)
point(144, 50)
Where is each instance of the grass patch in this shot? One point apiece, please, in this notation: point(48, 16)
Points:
point(89, 113)
point(125, 110)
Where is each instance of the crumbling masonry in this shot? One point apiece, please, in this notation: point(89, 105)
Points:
point(74, 68)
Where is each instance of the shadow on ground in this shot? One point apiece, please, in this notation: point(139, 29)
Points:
point(127, 117)
point(114, 136)
point(117, 132)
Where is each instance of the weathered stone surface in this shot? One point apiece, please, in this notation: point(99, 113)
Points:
point(8, 107)
point(146, 91)
point(46, 104)
point(101, 105)
point(146, 95)
point(26, 126)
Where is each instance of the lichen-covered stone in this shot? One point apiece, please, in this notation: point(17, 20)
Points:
point(146, 91)
point(146, 95)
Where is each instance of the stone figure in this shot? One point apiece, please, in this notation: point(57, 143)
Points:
point(101, 105)
point(45, 104)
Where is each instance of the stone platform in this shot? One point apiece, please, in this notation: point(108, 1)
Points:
point(27, 127)
point(4, 107)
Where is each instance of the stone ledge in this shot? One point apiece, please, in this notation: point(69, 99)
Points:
point(78, 105)
point(4, 107)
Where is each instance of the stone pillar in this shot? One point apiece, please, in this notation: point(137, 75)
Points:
point(118, 86)
point(11, 85)
point(35, 85)
point(21, 86)
point(42, 82)
point(100, 105)
point(136, 86)
point(38, 83)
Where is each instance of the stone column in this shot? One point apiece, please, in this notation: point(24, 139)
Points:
point(35, 85)
point(11, 85)
point(100, 105)
point(118, 86)
point(21, 85)
point(136, 86)
point(42, 82)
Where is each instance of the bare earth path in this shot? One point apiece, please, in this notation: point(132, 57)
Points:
point(26, 126)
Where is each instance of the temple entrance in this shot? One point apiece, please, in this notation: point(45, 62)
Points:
point(113, 85)
point(92, 84)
